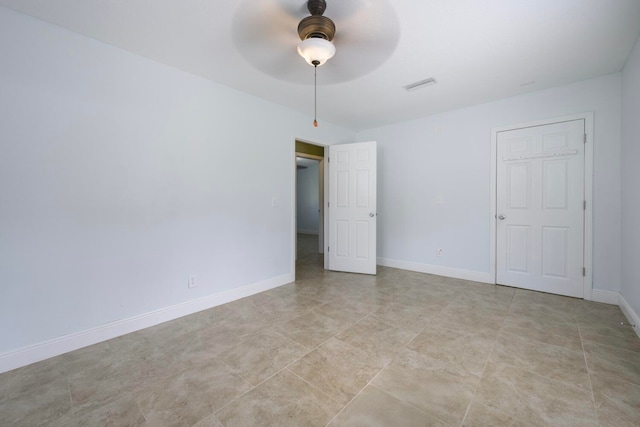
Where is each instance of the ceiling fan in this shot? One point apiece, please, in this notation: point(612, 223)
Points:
point(264, 33)
point(267, 33)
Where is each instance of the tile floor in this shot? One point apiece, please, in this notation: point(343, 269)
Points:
point(338, 349)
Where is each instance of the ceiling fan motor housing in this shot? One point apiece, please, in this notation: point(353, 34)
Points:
point(316, 25)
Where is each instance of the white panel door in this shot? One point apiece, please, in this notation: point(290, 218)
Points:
point(540, 208)
point(352, 207)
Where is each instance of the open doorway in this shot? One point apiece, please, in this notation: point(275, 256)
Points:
point(309, 203)
point(307, 206)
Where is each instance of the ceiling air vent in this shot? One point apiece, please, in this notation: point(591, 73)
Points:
point(422, 83)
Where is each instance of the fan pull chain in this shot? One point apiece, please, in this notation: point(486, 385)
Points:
point(315, 92)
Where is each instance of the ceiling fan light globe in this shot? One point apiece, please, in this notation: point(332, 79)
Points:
point(316, 49)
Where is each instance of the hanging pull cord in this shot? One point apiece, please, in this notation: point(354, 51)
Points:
point(315, 92)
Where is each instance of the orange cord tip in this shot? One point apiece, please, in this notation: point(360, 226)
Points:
point(315, 123)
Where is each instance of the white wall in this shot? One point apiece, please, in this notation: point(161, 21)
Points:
point(631, 181)
point(308, 202)
point(448, 156)
point(120, 176)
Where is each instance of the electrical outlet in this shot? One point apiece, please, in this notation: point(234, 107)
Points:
point(439, 252)
point(193, 281)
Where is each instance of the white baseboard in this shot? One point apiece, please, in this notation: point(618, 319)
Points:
point(607, 297)
point(630, 314)
point(438, 270)
point(60, 345)
point(313, 232)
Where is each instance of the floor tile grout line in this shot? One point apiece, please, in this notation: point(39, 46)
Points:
point(541, 375)
point(332, 336)
point(486, 363)
point(313, 386)
point(615, 347)
point(268, 378)
point(355, 396)
point(589, 373)
point(507, 333)
point(139, 408)
point(409, 404)
point(73, 409)
point(273, 375)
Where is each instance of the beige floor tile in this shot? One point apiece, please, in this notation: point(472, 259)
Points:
point(561, 334)
point(338, 369)
point(483, 416)
point(212, 340)
point(617, 402)
point(67, 420)
point(5, 380)
point(37, 376)
point(312, 329)
point(533, 399)
point(474, 297)
point(210, 421)
point(284, 400)
point(190, 396)
point(438, 388)
point(551, 361)
point(85, 358)
point(261, 355)
point(347, 310)
point(122, 410)
point(195, 321)
point(407, 316)
point(423, 295)
point(492, 289)
point(99, 385)
point(370, 296)
point(613, 361)
point(526, 297)
point(41, 405)
point(467, 351)
point(144, 362)
point(280, 309)
point(378, 338)
point(611, 334)
point(375, 408)
point(138, 358)
point(133, 362)
point(243, 317)
point(172, 329)
point(596, 313)
point(544, 314)
point(473, 320)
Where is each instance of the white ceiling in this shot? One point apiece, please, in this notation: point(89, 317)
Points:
point(478, 51)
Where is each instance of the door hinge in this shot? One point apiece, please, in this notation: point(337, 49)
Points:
point(584, 139)
point(328, 204)
point(328, 249)
point(584, 271)
point(328, 159)
point(584, 205)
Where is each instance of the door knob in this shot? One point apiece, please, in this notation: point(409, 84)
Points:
point(371, 214)
point(501, 217)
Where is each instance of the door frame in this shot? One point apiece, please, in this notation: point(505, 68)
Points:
point(587, 280)
point(323, 181)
